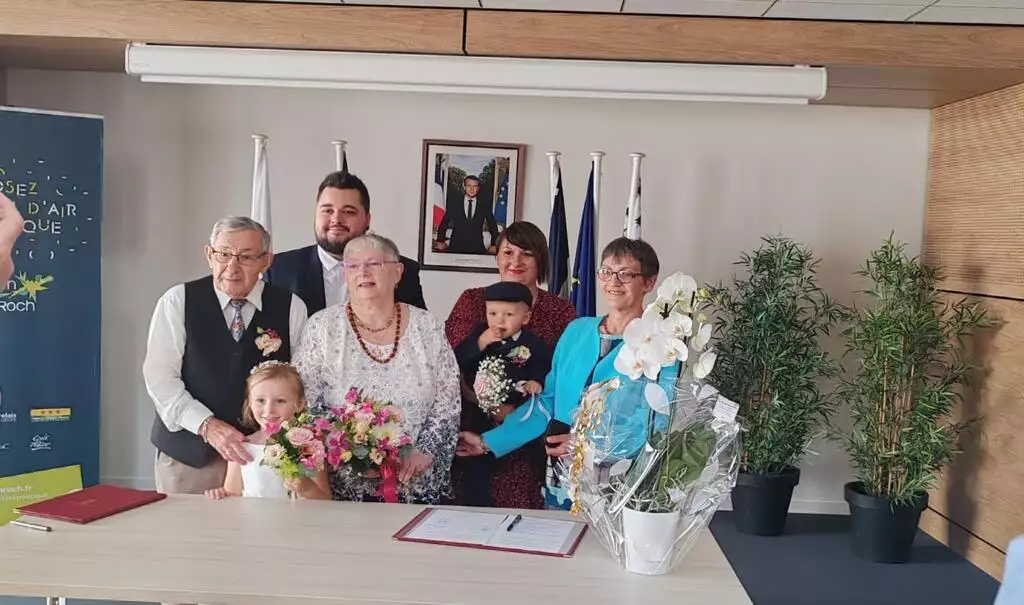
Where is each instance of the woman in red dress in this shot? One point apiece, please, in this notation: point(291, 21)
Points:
point(522, 256)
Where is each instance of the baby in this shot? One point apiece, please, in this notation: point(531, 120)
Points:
point(526, 359)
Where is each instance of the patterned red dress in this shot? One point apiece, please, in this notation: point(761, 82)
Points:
point(519, 476)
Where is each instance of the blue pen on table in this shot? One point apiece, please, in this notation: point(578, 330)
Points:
point(513, 523)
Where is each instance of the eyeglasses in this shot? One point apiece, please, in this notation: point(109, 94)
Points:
point(605, 274)
point(243, 259)
point(372, 265)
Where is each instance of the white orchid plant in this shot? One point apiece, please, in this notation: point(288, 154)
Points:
point(673, 329)
point(653, 455)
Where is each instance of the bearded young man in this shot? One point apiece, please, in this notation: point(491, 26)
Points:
point(314, 273)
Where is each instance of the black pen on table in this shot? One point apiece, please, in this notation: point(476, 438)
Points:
point(513, 523)
point(30, 525)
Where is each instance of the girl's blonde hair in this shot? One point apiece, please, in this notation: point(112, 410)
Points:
point(270, 370)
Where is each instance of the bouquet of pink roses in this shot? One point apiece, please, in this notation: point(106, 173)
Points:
point(295, 448)
point(366, 436)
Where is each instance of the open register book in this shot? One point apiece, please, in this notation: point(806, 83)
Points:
point(495, 531)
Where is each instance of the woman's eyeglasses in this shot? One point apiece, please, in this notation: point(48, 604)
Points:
point(605, 274)
point(372, 265)
point(243, 259)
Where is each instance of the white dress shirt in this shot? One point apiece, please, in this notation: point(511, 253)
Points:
point(166, 347)
point(335, 288)
point(469, 210)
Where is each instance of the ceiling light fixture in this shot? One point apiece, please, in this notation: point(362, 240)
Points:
point(476, 75)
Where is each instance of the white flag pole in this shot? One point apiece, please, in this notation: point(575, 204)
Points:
point(260, 210)
point(339, 153)
point(631, 229)
point(596, 157)
point(553, 161)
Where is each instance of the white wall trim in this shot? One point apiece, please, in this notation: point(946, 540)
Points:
point(811, 507)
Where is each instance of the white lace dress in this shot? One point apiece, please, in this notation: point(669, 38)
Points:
point(422, 380)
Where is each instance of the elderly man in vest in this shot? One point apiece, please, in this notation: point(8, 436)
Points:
point(205, 337)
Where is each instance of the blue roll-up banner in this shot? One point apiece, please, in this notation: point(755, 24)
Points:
point(51, 166)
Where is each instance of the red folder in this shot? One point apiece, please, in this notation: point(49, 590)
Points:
point(91, 503)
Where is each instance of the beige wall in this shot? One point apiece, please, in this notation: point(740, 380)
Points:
point(716, 177)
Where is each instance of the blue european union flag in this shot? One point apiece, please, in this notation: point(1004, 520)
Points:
point(558, 244)
point(501, 204)
point(583, 294)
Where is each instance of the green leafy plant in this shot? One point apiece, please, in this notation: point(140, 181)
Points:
point(912, 368)
point(770, 358)
point(679, 459)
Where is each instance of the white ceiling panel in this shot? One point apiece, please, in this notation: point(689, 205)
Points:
point(956, 14)
point(917, 3)
point(433, 3)
point(983, 3)
point(592, 6)
point(723, 8)
point(840, 12)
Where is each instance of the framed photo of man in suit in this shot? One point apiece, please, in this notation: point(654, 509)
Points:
point(470, 192)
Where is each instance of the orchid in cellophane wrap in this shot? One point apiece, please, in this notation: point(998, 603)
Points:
point(655, 451)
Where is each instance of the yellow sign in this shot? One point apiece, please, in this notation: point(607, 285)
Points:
point(50, 414)
point(22, 490)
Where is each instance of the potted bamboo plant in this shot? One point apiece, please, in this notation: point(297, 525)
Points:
point(771, 362)
point(911, 370)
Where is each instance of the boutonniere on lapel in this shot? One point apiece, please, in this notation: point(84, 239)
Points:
point(519, 355)
point(267, 341)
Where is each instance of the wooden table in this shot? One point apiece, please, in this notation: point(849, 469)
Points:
point(189, 549)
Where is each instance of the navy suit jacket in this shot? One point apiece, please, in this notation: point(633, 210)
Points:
point(301, 273)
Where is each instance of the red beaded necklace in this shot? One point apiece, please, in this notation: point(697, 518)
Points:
point(352, 319)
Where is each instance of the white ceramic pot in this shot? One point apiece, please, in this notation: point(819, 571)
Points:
point(649, 538)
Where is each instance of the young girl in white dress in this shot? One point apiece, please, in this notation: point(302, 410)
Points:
point(274, 394)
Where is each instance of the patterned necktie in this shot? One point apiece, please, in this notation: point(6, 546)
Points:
point(237, 322)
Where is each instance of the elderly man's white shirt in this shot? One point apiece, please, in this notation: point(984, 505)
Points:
point(166, 347)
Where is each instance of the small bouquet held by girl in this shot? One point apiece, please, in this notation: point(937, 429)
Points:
point(365, 437)
point(287, 448)
point(295, 448)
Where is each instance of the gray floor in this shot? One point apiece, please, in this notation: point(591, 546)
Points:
point(813, 565)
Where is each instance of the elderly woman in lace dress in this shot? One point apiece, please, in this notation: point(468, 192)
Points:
point(392, 352)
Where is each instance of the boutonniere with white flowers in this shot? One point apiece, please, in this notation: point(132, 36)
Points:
point(519, 355)
point(267, 341)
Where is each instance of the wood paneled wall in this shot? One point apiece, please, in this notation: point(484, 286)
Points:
point(973, 227)
point(873, 64)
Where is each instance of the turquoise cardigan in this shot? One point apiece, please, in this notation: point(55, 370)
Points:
point(575, 355)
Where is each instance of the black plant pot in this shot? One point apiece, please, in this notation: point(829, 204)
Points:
point(882, 532)
point(760, 503)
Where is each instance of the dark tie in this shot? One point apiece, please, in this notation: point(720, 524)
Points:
point(237, 322)
point(469, 214)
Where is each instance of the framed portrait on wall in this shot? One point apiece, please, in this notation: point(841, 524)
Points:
point(470, 192)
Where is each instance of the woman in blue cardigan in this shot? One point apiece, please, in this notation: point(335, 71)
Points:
point(585, 354)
